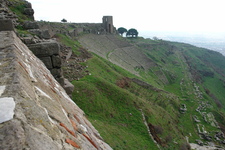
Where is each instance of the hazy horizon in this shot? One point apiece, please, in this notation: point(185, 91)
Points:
point(212, 41)
point(144, 15)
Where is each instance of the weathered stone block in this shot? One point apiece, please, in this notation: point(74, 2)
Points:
point(12, 135)
point(45, 49)
point(28, 11)
point(57, 73)
point(43, 34)
point(28, 40)
point(69, 87)
point(6, 25)
point(31, 25)
point(47, 61)
point(28, 4)
point(61, 81)
point(56, 61)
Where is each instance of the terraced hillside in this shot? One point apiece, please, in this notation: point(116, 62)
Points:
point(117, 51)
point(141, 94)
point(181, 96)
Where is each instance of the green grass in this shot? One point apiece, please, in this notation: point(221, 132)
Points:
point(68, 41)
point(110, 107)
point(114, 111)
point(216, 87)
point(124, 137)
point(18, 8)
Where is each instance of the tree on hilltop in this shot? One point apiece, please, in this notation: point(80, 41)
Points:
point(63, 20)
point(132, 32)
point(122, 30)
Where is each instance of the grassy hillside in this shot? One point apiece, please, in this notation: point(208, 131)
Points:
point(183, 77)
point(112, 101)
point(131, 86)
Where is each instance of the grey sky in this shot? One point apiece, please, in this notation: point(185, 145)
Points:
point(144, 15)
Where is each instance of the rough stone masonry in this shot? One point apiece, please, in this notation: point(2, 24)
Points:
point(35, 111)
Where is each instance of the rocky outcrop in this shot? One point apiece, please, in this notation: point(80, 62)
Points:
point(28, 10)
point(6, 14)
point(31, 25)
point(49, 52)
point(35, 111)
point(24, 6)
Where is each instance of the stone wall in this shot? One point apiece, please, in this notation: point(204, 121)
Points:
point(71, 29)
point(74, 29)
point(49, 52)
point(35, 111)
point(40, 40)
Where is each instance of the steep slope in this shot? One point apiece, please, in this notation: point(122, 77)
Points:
point(114, 105)
point(193, 73)
point(139, 93)
point(35, 111)
point(190, 82)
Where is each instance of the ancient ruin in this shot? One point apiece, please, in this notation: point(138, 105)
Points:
point(107, 22)
point(35, 111)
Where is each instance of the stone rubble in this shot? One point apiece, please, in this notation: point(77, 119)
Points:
point(196, 118)
point(197, 92)
point(198, 147)
point(183, 108)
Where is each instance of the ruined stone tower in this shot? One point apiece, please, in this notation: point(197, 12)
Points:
point(108, 23)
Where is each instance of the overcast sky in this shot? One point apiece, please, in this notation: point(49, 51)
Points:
point(144, 15)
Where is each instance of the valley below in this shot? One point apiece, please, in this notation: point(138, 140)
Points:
point(84, 86)
point(212, 41)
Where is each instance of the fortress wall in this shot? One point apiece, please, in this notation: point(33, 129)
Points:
point(35, 111)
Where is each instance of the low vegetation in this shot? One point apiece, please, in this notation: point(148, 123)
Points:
point(113, 99)
point(68, 41)
point(113, 102)
point(179, 99)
